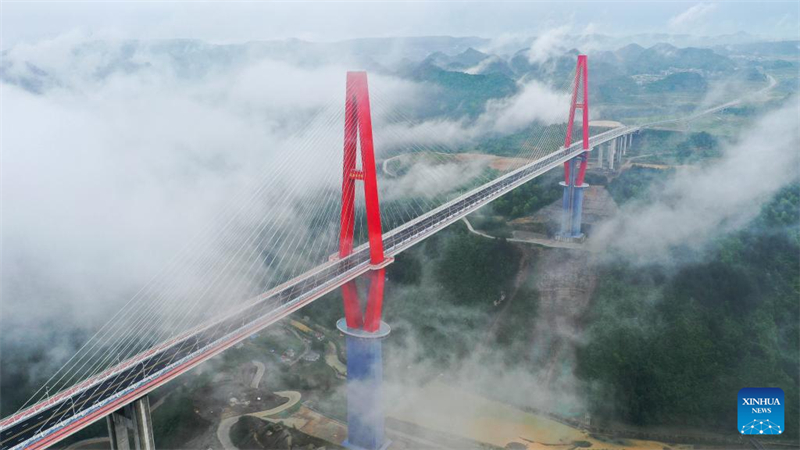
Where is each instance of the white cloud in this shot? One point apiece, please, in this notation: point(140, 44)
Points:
point(534, 103)
point(507, 43)
point(426, 180)
point(697, 205)
point(692, 16)
point(548, 44)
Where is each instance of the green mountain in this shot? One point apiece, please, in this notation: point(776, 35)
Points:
point(662, 57)
point(686, 82)
point(469, 58)
point(459, 93)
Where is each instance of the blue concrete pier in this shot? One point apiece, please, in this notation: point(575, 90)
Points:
point(365, 413)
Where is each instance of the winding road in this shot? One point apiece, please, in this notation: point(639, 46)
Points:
point(260, 369)
point(543, 242)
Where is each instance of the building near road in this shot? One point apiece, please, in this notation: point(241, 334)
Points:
point(300, 326)
point(311, 356)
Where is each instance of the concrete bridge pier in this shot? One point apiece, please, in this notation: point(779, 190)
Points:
point(612, 152)
point(365, 414)
point(600, 150)
point(572, 204)
point(628, 141)
point(131, 427)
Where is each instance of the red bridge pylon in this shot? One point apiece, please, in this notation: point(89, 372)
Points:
point(581, 80)
point(358, 134)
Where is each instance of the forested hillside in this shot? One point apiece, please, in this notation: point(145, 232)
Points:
point(672, 344)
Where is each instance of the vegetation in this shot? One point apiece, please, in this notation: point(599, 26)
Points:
point(679, 82)
point(741, 111)
point(783, 211)
point(636, 183)
point(675, 148)
point(471, 267)
point(461, 94)
point(253, 433)
point(405, 270)
point(521, 143)
point(698, 147)
point(530, 197)
point(673, 346)
point(621, 89)
point(517, 331)
point(661, 57)
point(175, 422)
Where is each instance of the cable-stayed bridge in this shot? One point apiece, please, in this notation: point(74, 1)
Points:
point(136, 353)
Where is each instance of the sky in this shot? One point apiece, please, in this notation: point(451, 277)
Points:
point(330, 21)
